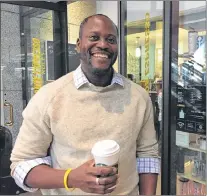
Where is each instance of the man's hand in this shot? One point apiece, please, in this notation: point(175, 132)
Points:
point(84, 178)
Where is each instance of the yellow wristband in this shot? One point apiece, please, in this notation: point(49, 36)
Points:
point(66, 180)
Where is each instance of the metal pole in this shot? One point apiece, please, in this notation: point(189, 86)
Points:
point(60, 40)
point(170, 56)
point(206, 75)
point(122, 7)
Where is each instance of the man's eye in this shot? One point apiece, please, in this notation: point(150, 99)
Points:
point(93, 38)
point(111, 40)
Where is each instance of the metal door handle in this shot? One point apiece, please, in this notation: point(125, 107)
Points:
point(11, 122)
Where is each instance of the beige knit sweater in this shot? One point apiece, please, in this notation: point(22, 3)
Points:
point(72, 120)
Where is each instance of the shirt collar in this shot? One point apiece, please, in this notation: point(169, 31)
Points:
point(80, 78)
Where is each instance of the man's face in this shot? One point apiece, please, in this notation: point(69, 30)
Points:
point(98, 44)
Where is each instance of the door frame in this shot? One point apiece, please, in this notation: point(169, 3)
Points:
point(170, 55)
point(58, 6)
point(122, 18)
point(61, 64)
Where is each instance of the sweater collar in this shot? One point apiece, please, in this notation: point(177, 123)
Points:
point(80, 78)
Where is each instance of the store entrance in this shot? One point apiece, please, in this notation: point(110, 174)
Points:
point(32, 55)
point(168, 49)
point(144, 52)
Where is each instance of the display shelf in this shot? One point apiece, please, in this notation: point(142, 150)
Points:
point(193, 148)
point(153, 92)
point(190, 177)
point(185, 55)
point(196, 133)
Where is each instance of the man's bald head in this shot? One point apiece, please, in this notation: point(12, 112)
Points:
point(89, 17)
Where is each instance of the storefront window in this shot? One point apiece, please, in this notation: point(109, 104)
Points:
point(144, 54)
point(40, 57)
point(144, 41)
point(191, 99)
point(27, 58)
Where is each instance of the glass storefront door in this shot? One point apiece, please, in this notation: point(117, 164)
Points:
point(144, 48)
point(191, 99)
point(176, 57)
point(24, 59)
point(29, 40)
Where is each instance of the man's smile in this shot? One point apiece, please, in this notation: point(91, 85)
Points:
point(101, 54)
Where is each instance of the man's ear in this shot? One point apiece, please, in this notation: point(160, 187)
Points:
point(78, 45)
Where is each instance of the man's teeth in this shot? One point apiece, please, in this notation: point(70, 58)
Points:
point(100, 55)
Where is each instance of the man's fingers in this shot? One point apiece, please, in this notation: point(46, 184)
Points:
point(102, 188)
point(103, 185)
point(108, 180)
point(93, 180)
point(109, 190)
point(98, 189)
point(101, 171)
point(110, 186)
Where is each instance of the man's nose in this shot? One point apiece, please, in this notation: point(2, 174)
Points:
point(103, 44)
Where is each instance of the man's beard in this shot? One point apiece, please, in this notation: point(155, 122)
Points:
point(95, 70)
point(100, 72)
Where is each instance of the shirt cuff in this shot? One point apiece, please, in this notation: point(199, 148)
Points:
point(24, 167)
point(148, 165)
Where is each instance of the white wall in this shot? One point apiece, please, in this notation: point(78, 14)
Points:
point(136, 10)
point(187, 5)
point(109, 8)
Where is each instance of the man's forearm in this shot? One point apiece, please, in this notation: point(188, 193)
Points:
point(147, 184)
point(45, 177)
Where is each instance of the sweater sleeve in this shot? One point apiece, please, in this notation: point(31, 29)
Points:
point(146, 142)
point(35, 135)
point(23, 168)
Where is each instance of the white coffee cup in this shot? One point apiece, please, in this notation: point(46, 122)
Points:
point(106, 153)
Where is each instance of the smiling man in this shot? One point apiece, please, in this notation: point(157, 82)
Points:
point(98, 49)
point(67, 117)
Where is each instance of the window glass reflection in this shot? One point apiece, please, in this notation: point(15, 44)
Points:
point(144, 54)
point(191, 99)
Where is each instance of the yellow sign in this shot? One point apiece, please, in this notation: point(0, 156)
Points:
point(147, 44)
point(37, 65)
point(145, 84)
